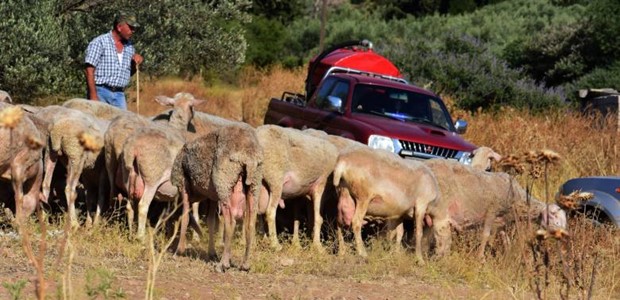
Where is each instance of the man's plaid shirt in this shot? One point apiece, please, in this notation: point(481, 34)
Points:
point(101, 53)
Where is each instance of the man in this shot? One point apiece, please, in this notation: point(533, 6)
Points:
point(110, 62)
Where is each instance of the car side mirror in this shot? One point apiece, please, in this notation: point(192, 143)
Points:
point(461, 126)
point(333, 104)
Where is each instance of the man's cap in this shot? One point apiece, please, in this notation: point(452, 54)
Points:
point(126, 17)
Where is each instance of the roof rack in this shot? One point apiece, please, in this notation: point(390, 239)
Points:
point(333, 70)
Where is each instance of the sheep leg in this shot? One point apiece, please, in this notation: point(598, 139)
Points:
point(443, 236)
point(130, 214)
point(184, 220)
point(318, 219)
point(111, 167)
point(17, 180)
point(143, 209)
point(100, 198)
point(50, 164)
point(486, 232)
point(229, 227)
point(295, 242)
point(73, 175)
point(341, 244)
point(395, 229)
point(250, 228)
point(212, 220)
point(420, 212)
point(274, 199)
point(356, 225)
point(33, 196)
point(196, 216)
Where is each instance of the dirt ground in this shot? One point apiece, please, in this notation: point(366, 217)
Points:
point(241, 285)
point(184, 277)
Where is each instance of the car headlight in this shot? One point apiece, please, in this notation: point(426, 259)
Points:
point(381, 142)
point(464, 157)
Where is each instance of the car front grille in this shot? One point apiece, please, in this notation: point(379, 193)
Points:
point(424, 151)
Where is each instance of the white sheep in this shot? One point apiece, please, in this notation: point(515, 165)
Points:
point(146, 162)
point(295, 164)
point(98, 109)
point(225, 167)
point(67, 129)
point(474, 197)
point(21, 157)
point(380, 184)
point(126, 125)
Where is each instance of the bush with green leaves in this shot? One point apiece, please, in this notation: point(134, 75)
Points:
point(44, 44)
point(467, 69)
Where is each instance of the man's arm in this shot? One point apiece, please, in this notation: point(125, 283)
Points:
point(136, 60)
point(90, 82)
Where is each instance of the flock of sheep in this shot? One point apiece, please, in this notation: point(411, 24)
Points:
point(184, 157)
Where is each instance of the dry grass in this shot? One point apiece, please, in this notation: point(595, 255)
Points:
point(584, 265)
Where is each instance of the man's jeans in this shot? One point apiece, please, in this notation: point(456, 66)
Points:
point(113, 98)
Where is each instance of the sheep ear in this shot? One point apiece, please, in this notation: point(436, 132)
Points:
point(496, 156)
point(196, 102)
point(164, 100)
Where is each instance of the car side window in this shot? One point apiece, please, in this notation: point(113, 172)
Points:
point(439, 115)
point(323, 92)
point(332, 87)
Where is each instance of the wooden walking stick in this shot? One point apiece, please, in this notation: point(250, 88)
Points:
point(137, 89)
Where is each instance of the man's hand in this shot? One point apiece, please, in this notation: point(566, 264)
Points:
point(137, 58)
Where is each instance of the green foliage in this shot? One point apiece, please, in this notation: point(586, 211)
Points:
point(553, 56)
point(34, 60)
point(266, 41)
point(604, 29)
point(283, 11)
point(44, 44)
point(467, 69)
point(603, 77)
point(99, 283)
point(16, 288)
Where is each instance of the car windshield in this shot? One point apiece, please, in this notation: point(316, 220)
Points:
point(406, 106)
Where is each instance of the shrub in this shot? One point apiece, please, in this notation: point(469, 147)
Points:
point(467, 69)
point(44, 44)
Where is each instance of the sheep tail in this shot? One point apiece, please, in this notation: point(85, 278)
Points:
point(177, 174)
point(253, 176)
point(338, 172)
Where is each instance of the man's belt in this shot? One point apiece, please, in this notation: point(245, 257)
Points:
point(112, 88)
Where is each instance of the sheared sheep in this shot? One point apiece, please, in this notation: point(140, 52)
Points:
point(225, 167)
point(474, 197)
point(380, 184)
point(20, 157)
point(146, 162)
point(98, 109)
point(126, 125)
point(295, 165)
point(68, 129)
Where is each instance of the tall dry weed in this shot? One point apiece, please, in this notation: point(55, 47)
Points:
point(260, 86)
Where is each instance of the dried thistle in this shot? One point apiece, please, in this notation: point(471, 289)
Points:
point(511, 165)
point(548, 156)
point(531, 157)
point(536, 171)
point(573, 200)
point(558, 234)
point(10, 116)
point(89, 142)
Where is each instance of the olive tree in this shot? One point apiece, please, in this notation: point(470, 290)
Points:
point(43, 42)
